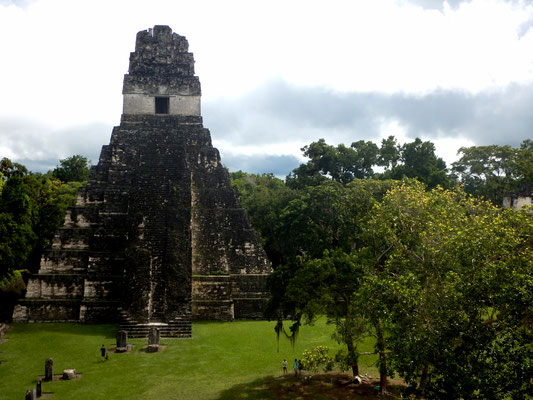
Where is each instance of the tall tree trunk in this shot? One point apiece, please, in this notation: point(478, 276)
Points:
point(382, 357)
point(349, 337)
point(353, 358)
point(424, 379)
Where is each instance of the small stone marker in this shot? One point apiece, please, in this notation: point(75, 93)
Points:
point(122, 342)
point(31, 395)
point(153, 340)
point(153, 335)
point(39, 388)
point(69, 374)
point(49, 370)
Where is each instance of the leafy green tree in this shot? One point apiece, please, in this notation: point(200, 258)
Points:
point(327, 259)
point(492, 171)
point(414, 250)
point(341, 164)
point(324, 161)
point(18, 214)
point(328, 286)
point(524, 163)
point(73, 169)
point(317, 359)
point(264, 196)
point(366, 158)
point(9, 168)
point(52, 198)
point(32, 206)
point(416, 160)
point(311, 222)
point(344, 164)
point(307, 221)
point(316, 219)
point(454, 270)
point(389, 153)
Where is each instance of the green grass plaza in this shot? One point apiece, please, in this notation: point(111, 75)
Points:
point(222, 360)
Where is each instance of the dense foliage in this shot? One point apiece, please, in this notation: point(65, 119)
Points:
point(443, 280)
point(344, 164)
point(32, 206)
point(73, 169)
point(492, 171)
point(488, 171)
point(455, 292)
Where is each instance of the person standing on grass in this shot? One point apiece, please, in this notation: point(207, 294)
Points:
point(103, 352)
point(284, 363)
point(295, 366)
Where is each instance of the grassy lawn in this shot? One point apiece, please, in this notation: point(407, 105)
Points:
point(222, 361)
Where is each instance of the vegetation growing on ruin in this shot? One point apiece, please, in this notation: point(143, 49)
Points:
point(32, 206)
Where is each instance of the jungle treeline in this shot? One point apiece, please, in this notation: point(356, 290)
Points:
point(387, 241)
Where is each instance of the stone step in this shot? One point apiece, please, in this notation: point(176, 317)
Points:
point(182, 329)
point(144, 332)
point(141, 325)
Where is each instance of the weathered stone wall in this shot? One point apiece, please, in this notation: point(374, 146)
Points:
point(55, 286)
point(145, 104)
point(516, 202)
point(161, 66)
point(523, 198)
point(64, 261)
point(250, 295)
point(47, 310)
point(99, 311)
point(226, 297)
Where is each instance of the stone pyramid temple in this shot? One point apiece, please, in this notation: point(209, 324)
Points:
point(157, 236)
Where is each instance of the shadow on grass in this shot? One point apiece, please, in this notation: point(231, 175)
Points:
point(258, 389)
point(108, 331)
point(323, 386)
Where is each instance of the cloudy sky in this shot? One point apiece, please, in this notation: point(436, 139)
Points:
point(275, 75)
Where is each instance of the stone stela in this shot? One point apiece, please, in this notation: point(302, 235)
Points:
point(122, 341)
point(153, 340)
point(49, 369)
point(157, 234)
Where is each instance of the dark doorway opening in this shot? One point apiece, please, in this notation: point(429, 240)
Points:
point(161, 105)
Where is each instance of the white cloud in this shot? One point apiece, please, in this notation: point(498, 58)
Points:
point(64, 60)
